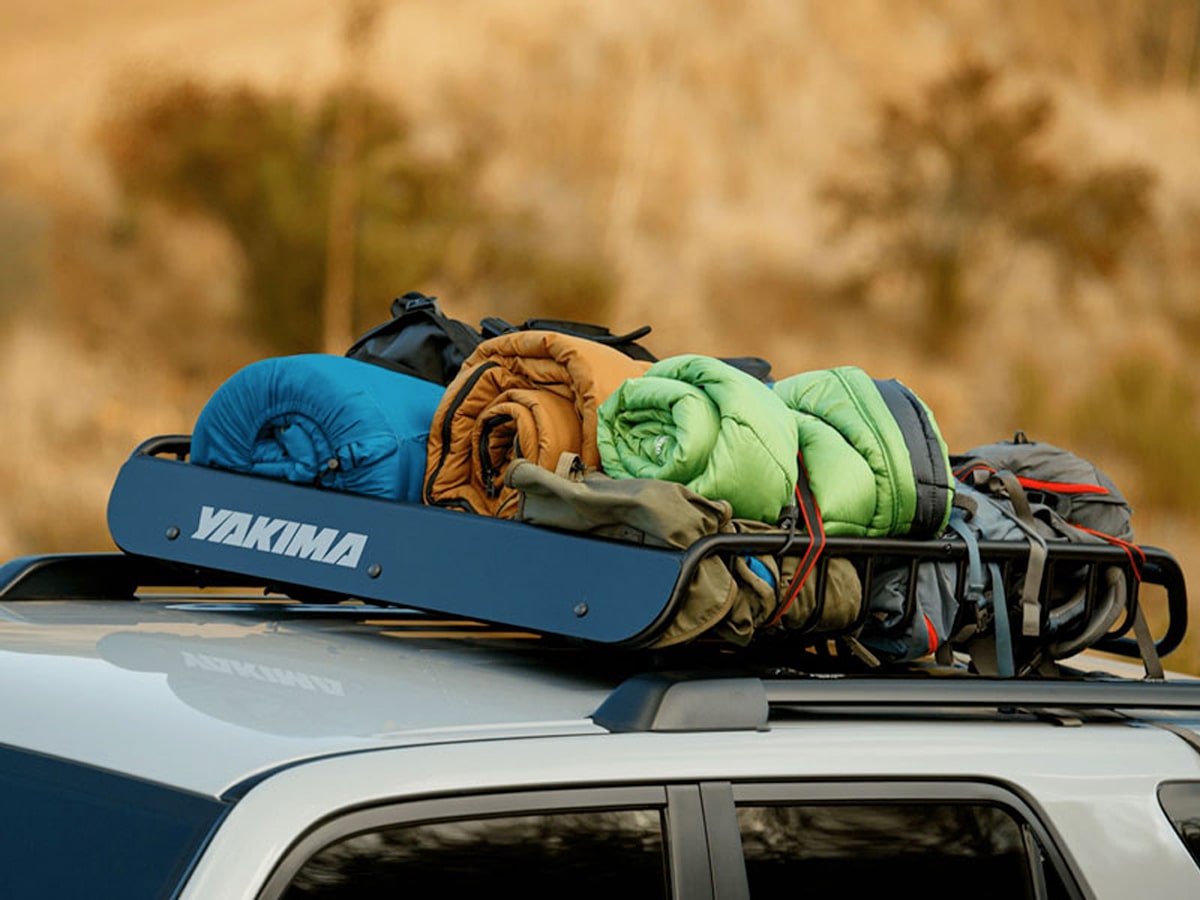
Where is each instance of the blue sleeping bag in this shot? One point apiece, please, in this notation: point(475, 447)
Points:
point(323, 420)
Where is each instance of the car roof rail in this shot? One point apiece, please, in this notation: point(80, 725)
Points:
point(690, 701)
point(107, 575)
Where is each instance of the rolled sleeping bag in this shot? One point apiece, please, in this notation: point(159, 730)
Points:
point(521, 395)
point(324, 420)
point(703, 423)
point(876, 460)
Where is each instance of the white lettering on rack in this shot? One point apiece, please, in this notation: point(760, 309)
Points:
point(209, 519)
point(280, 536)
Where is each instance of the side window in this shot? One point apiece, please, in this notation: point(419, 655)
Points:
point(1180, 800)
point(874, 848)
point(578, 854)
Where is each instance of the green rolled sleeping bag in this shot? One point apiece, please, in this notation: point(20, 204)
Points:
point(875, 457)
point(700, 422)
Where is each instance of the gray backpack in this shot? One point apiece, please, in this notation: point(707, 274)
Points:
point(1012, 618)
point(1073, 488)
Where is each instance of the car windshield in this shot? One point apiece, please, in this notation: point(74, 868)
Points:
point(70, 830)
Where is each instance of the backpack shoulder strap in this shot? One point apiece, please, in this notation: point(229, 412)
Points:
point(493, 326)
point(1004, 483)
point(975, 595)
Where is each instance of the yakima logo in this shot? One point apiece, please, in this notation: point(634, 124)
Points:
point(289, 678)
point(282, 536)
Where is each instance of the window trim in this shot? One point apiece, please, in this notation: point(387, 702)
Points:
point(701, 833)
point(859, 791)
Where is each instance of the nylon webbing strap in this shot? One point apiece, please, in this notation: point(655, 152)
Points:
point(1145, 642)
point(1005, 667)
point(1031, 609)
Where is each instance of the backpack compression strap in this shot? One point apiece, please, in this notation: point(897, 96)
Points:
point(1005, 483)
point(975, 595)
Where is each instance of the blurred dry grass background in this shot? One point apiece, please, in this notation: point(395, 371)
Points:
point(996, 202)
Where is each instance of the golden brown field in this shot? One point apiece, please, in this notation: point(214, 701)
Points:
point(689, 151)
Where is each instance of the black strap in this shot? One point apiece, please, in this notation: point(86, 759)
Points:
point(494, 326)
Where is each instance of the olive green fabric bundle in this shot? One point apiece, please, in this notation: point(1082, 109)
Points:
point(731, 597)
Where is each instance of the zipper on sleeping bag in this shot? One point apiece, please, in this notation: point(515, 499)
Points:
point(930, 471)
point(490, 472)
point(447, 422)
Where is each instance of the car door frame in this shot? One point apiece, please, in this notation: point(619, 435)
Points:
point(701, 835)
point(1034, 824)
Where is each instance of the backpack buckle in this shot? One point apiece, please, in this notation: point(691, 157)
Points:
point(414, 301)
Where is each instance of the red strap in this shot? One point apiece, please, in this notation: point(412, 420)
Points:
point(815, 529)
point(932, 633)
point(1058, 487)
point(1062, 487)
point(1137, 556)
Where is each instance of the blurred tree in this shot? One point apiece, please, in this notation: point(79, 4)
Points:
point(264, 166)
point(1144, 409)
point(1166, 42)
point(950, 180)
point(345, 182)
point(24, 251)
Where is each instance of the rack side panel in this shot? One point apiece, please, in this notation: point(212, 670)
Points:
point(427, 558)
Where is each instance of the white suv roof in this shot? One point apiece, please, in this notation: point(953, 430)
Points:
point(204, 699)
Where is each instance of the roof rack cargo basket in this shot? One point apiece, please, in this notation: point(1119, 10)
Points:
point(573, 585)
